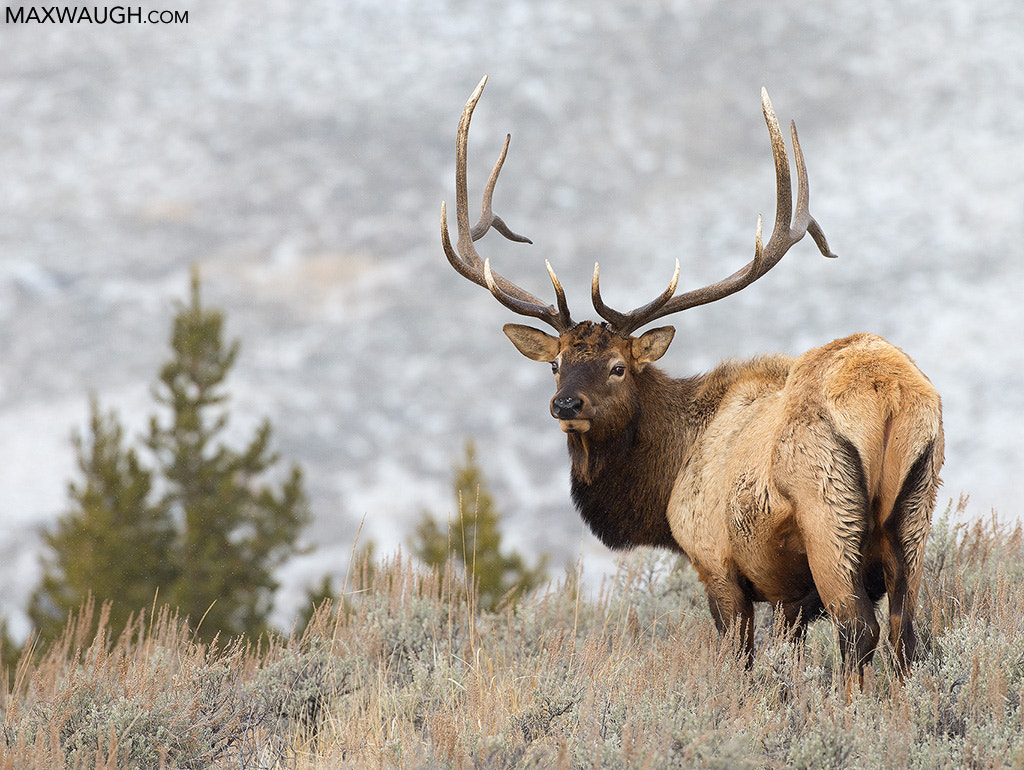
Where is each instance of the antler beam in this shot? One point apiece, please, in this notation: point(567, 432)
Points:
point(789, 228)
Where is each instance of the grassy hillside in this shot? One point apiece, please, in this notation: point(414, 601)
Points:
point(405, 674)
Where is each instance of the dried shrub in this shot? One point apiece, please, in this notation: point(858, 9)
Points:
point(154, 698)
point(404, 672)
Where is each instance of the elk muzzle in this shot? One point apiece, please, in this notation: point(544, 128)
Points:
point(571, 412)
point(566, 407)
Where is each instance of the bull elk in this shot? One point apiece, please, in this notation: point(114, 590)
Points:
point(807, 482)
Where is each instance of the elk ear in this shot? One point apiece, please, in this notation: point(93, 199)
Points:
point(532, 343)
point(651, 346)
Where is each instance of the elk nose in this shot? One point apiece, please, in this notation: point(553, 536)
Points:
point(566, 407)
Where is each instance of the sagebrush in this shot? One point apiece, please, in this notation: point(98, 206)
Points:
point(404, 673)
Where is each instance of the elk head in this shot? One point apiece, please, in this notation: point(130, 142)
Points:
point(599, 367)
point(595, 372)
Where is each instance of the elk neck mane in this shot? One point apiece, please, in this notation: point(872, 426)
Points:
point(621, 486)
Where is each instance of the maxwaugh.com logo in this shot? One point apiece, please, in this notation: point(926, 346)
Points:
point(91, 14)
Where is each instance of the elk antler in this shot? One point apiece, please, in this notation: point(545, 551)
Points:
point(789, 228)
point(467, 262)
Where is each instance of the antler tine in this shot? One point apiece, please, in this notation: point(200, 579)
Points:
point(533, 309)
point(619, 320)
point(809, 223)
point(563, 306)
point(487, 216)
point(789, 228)
point(466, 260)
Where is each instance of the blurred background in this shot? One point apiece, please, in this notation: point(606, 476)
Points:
point(299, 156)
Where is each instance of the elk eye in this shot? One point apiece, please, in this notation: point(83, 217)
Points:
point(619, 370)
point(554, 367)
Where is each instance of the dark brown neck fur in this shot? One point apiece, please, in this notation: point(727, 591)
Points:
point(622, 486)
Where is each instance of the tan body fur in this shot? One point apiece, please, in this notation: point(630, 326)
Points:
point(790, 487)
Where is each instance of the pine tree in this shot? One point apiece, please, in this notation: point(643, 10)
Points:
point(200, 530)
point(234, 530)
point(111, 542)
point(474, 540)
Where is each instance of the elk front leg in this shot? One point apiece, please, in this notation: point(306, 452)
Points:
point(731, 607)
point(798, 613)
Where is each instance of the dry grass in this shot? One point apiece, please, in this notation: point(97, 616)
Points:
point(407, 675)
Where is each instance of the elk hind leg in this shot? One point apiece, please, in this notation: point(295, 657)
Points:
point(903, 537)
point(853, 615)
point(835, 509)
